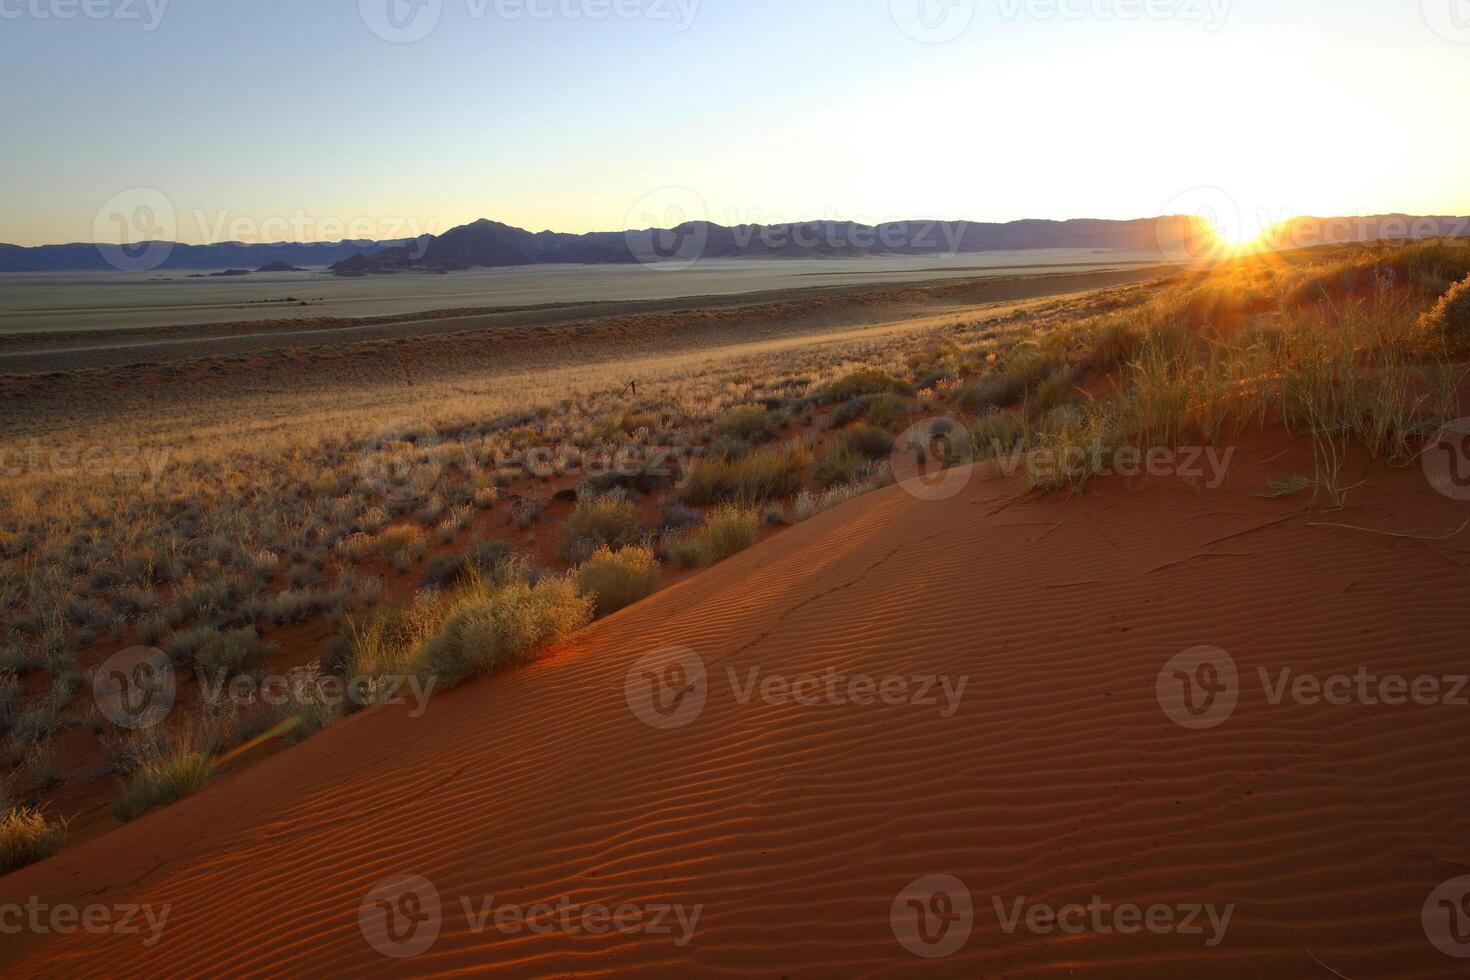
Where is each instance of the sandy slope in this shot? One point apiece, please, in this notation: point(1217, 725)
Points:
point(795, 827)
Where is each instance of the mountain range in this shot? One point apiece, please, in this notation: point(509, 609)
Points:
point(486, 243)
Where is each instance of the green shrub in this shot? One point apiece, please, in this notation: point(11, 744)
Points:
point(730, 529)
point(615, 579)
point(598, 521)
point(491, 628)
point(775, 471)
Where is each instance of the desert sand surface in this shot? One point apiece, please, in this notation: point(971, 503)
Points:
point(795, 828)
point(64, 302)
point(799, 306)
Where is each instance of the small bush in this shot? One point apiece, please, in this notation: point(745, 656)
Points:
point(407, 538)
point(869, 381)
point(230, 652)
point(488, 629)
point(481, 560)
point(615, 579)
point(1054, 390)
point(996, 390)
point(766, 474)
point(26, 836)
point(867, 441)
point(840, 464)
point(729, 530)
point(598, 521)
point(998, 434)
point(885, 409)
point(752, 423)
point(168, 770)
point(1450, 317)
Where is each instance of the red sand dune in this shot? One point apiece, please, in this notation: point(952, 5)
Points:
point(796, 827)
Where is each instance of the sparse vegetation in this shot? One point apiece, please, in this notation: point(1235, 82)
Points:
point(615, 579)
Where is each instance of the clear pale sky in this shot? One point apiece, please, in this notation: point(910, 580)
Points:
point(768, 110)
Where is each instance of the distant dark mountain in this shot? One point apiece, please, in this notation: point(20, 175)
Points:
point(487, 243)
point(225, 255)
point(279, 267)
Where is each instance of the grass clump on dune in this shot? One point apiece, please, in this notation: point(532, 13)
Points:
point(751, 423)
point(769, 473)
point(729, 530)
point(610, 521)
point(487, 628)
point(26, 836)
point(1450, 317)
point(164, 770)
point(615, 579)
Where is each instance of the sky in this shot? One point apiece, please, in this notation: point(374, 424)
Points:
point(265, 120)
